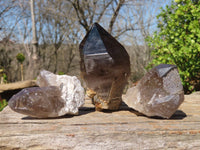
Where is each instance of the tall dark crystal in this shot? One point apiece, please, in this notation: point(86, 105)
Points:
point(105, 67)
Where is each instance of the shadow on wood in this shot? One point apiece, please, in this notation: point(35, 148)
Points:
point(178, 115)
point(82, 111)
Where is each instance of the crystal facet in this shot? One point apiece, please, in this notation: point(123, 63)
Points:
point(105, 67)
point(158, 93)
point(57, 95)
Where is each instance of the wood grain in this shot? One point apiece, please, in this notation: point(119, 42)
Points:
point(121, 130)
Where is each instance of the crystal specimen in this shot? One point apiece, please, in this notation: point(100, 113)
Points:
point(158, 93)
point(37, 102)
point(72, 93)
point(105, 67)
point(57, 95)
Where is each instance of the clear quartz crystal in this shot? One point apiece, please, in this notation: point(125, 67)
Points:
point(158, 93)
point(56, 95)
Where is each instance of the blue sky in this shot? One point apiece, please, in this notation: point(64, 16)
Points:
point(151, 11)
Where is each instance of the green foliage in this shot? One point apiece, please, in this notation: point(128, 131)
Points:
point(61, 73)
point(3, 104)
point(178, 41)
point(20, 57)
point(5, 79)
point(3, 74)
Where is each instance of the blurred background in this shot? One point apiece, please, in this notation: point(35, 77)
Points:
point(45, 34)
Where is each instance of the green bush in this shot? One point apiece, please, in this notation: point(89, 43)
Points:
point(178, 41)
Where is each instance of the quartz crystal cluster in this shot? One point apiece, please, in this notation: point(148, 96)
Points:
point(56, 95)
point(158, 93)
point(105, 67)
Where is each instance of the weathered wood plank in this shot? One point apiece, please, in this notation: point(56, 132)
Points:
point(17, 85)
point(8, 90)
point(122, 129)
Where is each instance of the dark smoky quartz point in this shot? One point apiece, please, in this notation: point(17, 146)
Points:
point(105, 67)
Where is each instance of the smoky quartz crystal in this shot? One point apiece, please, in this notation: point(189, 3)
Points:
point(56, 96)
point(158, 93)
point(105, 67)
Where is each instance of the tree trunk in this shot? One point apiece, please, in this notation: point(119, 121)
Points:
point(31, 73)
point(34, 40)
point(22, 72)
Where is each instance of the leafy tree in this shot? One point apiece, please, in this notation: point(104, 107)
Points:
point(20, 58)
point(178, 41)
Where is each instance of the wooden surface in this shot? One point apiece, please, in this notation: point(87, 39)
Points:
point(17, 85)
point(7, 90)
point(120, 130)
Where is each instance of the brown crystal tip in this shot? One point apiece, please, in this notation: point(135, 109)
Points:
point(105, 66)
